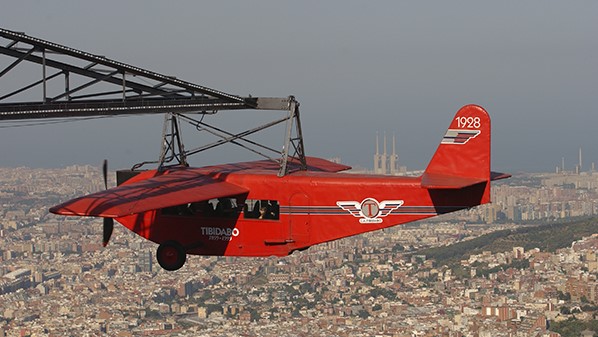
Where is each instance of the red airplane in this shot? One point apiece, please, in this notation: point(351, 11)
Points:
point(246, 209)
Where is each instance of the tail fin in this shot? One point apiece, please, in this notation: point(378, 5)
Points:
point(463, 156)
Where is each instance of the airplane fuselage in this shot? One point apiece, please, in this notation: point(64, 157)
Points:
point(304, 209)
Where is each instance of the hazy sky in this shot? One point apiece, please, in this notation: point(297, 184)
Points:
point(356, 67)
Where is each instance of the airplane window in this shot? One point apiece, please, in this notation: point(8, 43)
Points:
point(226, 207)
point(221, 207)
point(261, 209)
point(201, 208)
point(179, 210)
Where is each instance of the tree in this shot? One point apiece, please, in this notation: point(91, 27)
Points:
point(210, 308)
point(573, 327)
point(563, 296)
point(397, 248)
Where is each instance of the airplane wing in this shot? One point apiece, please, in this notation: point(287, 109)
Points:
point(313, 164)
point(175, 188)
point(319, 164)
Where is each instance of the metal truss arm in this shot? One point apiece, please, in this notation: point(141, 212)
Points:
point(97, 86)
point(93, 75)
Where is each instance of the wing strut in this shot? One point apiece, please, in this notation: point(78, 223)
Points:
point(173, 152)
point(172, 143)
point(294, 140)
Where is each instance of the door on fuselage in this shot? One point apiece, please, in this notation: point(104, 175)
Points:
point(266, 216)
point(299, 219)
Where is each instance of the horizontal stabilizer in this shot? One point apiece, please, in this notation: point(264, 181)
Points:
point(439, 181)
point(170, 189)
point(499, 175)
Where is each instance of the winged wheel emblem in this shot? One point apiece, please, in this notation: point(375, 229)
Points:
point(370, 210)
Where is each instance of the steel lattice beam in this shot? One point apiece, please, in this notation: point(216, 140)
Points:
point(133, 90)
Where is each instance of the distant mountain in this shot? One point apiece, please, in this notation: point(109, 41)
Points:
point(547, 238)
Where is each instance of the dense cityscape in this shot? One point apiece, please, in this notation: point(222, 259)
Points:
point(56, 279)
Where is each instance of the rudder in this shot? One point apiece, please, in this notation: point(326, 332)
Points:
point(464, 151)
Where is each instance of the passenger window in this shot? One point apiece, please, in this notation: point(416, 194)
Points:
point(203, 208)
point(261, 209)
point(221, 207)
point(179, 210)
point(226, 207)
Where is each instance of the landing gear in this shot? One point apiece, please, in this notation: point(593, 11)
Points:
point(171, 255)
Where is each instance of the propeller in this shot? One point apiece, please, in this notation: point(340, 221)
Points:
point(108, 222)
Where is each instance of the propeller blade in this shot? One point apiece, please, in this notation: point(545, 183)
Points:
point(108, 222)
point(108, 228)
point(105, 172)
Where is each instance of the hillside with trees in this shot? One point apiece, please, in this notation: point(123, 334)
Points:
point(548, 238)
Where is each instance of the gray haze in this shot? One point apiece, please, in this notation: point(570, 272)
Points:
point(356, 67)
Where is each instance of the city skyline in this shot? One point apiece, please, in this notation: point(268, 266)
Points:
point(386, 162)
point(568, 162)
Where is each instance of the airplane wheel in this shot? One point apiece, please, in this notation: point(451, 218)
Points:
point(171, 255)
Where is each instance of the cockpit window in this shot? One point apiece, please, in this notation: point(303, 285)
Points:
point(261, 209)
